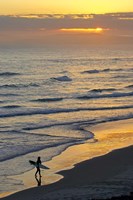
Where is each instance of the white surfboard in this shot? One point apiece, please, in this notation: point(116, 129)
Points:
point(40, 165)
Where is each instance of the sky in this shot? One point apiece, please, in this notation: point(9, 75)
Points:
point(48, 22)
point(64, 6)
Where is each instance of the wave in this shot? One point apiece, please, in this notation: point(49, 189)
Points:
point(62, 78)
point(25, 150)
point(2, 101)
point(122, 77)
point(64, 142)
point(7, 74)
point(95, 71)
point(116, 118)
point(81, 124)
point(18, 86)
point(113, 95)
point(8, 94)
point(42, 142)
point(48, 99)
point(103, 90)
point(71, 60)
point(55, 111)
point(11, 106)
point(105, 70)
point(129, 86)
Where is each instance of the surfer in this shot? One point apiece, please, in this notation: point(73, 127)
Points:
point(38, 162)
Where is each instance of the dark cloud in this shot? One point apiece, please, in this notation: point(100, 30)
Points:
point(44, 28)
point(56, 21)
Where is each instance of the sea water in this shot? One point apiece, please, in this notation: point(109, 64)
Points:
point(49, 95)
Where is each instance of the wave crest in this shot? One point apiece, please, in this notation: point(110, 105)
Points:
point(112, 95)
point(62, 78)
point(48, 99)
point(7, 74)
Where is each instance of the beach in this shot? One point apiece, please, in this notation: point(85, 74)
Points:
point(66, 100)
point(80, 174)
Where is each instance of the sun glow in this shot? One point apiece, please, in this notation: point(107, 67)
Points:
point(84, 30)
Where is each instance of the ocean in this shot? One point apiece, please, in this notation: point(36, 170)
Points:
point(49, 95)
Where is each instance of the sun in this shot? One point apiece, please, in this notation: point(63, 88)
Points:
point(84, 30)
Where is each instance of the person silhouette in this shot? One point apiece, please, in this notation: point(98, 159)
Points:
point(38, 162)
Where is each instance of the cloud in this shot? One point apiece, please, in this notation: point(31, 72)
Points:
point(58, 21)
point(47, 28)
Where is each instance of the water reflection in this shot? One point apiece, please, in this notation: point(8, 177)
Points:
point(38, 180)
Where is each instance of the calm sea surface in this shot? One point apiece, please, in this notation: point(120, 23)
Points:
point(48, 96)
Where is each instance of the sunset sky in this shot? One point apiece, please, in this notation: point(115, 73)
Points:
point(66, 21)
point(64, 6)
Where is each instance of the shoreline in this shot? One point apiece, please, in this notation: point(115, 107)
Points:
point(81, 155)
point(94, 179)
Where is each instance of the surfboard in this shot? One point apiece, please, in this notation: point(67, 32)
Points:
point(40, 165)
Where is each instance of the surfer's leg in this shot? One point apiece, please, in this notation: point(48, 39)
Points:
point(36, 173)
point(37, 170)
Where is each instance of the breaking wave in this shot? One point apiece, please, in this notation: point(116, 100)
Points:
point(62, 78)
point(95, 71)
point(18, 86)
point(103, 90)
point(59, 110)
point(8, 74)
point(48, 99)
point(112, 95)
